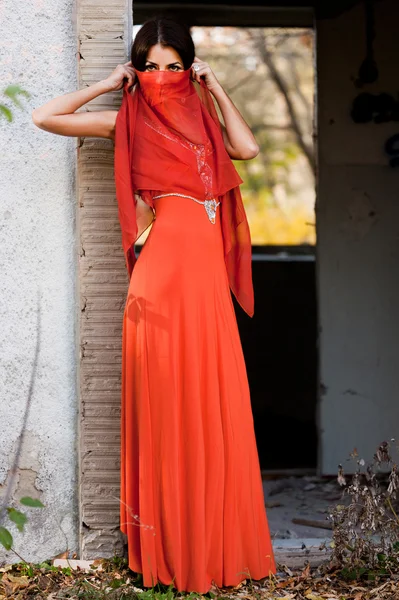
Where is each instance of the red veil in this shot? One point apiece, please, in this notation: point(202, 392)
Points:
point(168, 138)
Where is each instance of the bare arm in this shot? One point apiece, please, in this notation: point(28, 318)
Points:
point(238, 138)
point(59, 116)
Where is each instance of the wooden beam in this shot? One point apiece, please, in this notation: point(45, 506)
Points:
point(199, 14)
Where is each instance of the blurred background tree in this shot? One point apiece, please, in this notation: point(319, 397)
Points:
point(269, 75)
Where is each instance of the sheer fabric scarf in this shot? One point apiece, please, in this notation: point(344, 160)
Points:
point(168, 138)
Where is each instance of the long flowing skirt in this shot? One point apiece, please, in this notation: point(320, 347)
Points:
point(192, 502)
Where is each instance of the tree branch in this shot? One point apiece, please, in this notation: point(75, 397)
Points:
point(268, 59)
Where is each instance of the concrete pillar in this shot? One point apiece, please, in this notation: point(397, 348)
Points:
point(358, 243)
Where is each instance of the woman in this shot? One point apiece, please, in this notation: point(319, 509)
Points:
point(192, 503)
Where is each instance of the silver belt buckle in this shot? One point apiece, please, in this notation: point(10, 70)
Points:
point(210, 207)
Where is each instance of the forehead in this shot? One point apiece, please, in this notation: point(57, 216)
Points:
point(163, 54)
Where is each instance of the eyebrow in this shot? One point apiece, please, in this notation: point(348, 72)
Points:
point(169, 65)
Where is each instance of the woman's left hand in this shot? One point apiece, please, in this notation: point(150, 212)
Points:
point(206, 72)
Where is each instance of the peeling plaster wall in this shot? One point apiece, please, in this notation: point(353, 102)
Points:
point(358, 244)
point(38, 250)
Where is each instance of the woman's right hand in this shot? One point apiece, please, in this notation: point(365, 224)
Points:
point(115, 81)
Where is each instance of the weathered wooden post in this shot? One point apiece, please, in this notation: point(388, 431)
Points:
point(104, 32)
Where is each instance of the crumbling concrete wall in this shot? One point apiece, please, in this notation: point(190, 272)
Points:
point(358, 251)
point(39, 252)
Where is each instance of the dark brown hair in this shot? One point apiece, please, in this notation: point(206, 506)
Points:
point(164, 31)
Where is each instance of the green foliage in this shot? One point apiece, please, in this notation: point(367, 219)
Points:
point(5, 538)
point(11, 93)
point(5, 112)
point(28, 570)
point(33, 502)
point(19, 518)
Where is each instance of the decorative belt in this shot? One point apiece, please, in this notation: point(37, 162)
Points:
point(210, 205)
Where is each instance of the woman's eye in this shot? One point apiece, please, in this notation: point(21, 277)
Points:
point(175, 68)
point(149, 67)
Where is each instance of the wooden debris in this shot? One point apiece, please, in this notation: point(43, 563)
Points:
point(312, 523)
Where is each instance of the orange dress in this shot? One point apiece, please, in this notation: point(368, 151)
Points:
point(192, 502)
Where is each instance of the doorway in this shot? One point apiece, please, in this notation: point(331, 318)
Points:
point(269, 74)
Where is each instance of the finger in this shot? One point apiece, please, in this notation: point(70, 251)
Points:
point(202, 70)
point(197, 73)
point(197, 76)
point(129, 77)
point(199, 67)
